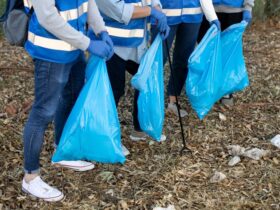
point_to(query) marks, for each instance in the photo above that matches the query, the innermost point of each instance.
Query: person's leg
(50, 79)
(228, 19)
(116, 73)
(170, 39)
(185, 43)
(137, 134)
(132, 68)
(203, 29)
(69, 96)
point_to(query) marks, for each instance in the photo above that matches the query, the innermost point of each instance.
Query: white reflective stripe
(73, 14)
(52, 44)
(184, 11)
(192, 11)
(149, 2)
(27, 3)
(172, 12)
(139, 4)
(126, 33)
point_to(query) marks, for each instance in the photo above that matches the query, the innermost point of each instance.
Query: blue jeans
(57, 87)
(186, 36)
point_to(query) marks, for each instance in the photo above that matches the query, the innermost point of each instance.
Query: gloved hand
(216, 23)
(162, 25)
(247, 16)
(106, 38)
(100, 49)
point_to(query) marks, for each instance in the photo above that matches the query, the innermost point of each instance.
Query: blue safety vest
(182, 11)
(130, 35)
(230, 3)
(43, 45)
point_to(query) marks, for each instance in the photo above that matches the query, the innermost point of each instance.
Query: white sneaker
(173, 109)
(78, 165)
(162, 138)
(39, 189)
(227, 100)
(138, 136)
(125, 151)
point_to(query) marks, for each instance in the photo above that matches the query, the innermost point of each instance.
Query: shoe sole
(227, 102)
(78, 169)
(53, 199)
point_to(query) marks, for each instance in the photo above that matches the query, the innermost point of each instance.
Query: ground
(155, 174)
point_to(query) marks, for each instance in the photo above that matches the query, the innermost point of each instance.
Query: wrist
(247, 8)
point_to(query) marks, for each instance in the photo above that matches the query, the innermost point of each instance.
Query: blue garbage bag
(92, 131)
(216, 68)
(205, 73)
(235, 76)
(149, 81)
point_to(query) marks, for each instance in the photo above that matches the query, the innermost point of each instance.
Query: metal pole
(185, 148)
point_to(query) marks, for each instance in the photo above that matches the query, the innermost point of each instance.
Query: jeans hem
(36, 171)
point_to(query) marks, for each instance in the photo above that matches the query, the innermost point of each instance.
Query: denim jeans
(57, 87)
(117, 67)
(186, 36)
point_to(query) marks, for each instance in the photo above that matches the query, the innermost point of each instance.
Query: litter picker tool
(185, 147)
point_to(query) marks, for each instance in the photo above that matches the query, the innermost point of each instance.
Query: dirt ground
(155, 174)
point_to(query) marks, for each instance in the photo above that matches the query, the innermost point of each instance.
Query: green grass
(2, 7)
(260, 9)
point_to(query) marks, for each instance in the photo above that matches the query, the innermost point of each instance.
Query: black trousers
(226, 19)
(117, 67)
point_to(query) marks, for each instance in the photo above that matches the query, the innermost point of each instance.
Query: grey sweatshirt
(50, 19)
(247, 5)
(122, 12)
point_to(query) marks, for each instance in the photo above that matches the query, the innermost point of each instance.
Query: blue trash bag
(92, 131)
(205, 73)
(235, 76)
(149, 81)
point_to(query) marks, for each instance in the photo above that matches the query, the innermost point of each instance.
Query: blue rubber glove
(162, 25)
(247, 16)
(106, 38)
(216, 23)
(99, 48)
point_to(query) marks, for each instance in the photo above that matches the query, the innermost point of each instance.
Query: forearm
(208, 10)
(48, 17)
(116, 9)
(95, 20)
(141, 12)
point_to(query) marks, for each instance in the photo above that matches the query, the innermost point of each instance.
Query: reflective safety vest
(130, 35)
(182, 11)
(230, 3)
(43, 45)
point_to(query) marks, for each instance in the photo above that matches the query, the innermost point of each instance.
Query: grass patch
(2, 8)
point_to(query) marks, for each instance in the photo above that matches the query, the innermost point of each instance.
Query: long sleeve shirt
(208, 10)
(247, 5)
(50, 19)
(122, 12)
